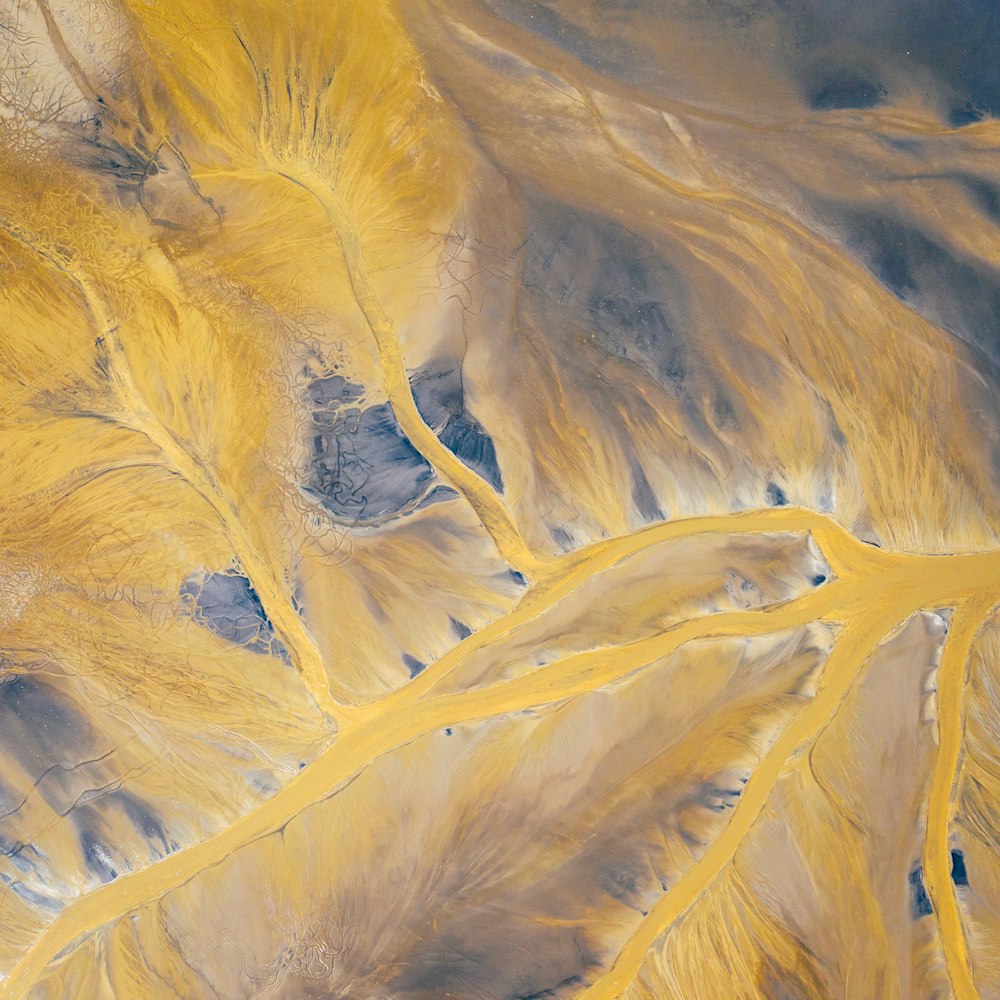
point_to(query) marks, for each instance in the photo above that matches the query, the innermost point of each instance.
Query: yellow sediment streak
(937, 856)
(841, 669)
(844, 554)
(878, 605)
(877, 591)
(485, 501)
(268, 586)
(177, 457)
